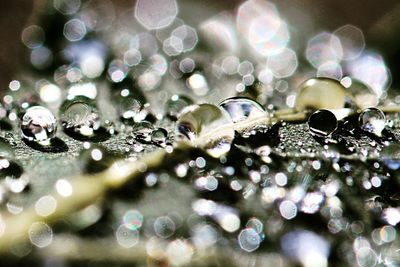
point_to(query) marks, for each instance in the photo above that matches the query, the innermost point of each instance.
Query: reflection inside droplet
(372, 120)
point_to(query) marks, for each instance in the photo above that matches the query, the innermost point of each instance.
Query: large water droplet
(243, 108)
(175, 105)
(322, 123)
(372, 120)
(81, 115)
(129, 108)
(208, 127)
(363, 94)
(322, 93)
(38, 125)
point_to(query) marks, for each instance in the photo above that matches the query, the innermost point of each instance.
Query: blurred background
(378, 20)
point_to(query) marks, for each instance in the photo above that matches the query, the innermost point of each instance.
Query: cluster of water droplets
(149, 88)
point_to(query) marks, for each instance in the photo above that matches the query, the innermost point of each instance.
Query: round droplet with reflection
(128, 108)
(81, 115)
(87, 89)
(322, 123)
(39, 125)
(129, 100)
(175, 105)
(243, 108)
(322, 93)
(372, 120)
(159, 136)
(364, 96)
(208, 127)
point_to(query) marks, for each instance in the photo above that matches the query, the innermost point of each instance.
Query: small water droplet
(243, 108)
(81, 115)
(39, 125)
(206, 126)
(176, 104)
(142, 131)
(159, 136)
(130, 139)
(129, 108)
(372, 120)
(322, 123)
(137, 147)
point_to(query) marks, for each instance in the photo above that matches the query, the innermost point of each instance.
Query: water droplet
(38, 125)
(86, 89)
(206, 126)
(142, 131)
(159, 136)
(175, 105)
(81, 115)
(129, 108)
(243, 108)
(372, 120)
(137, 147)
(365, 97)
(322, 93)
(322, 123)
